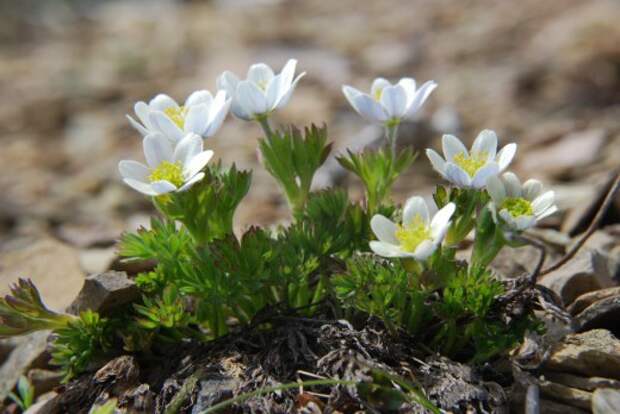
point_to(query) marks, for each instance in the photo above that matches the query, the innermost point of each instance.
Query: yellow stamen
(414, 233)
(472, 163)
(169, 171)
(176, 115)
(517, 206)
(378, 94)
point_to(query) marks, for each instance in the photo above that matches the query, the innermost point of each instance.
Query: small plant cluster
(365, 259)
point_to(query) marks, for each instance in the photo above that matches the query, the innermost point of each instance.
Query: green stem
(391, 130)
(263, 120)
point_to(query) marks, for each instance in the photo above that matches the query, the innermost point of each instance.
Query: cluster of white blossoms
(173, 149)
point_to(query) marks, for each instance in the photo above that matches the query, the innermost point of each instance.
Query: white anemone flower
(519, 206)
(201, 114)
(471, 169)
(387, 103)
(169, 169)
(417, 237)
(262, 92)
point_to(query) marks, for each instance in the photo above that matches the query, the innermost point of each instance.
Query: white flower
(388, 103)
(168, 168)
(520, 206)
(418, 236)
(471, 169)
(262, 92)
(202, 114)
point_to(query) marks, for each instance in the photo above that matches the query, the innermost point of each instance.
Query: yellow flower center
(472, 163)
(262, 84)
(517, 206)
(414, 233)
(169, 171)
(176, 115)
(378, 94)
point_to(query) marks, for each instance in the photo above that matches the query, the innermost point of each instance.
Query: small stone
(586, 272)
(44, 380)
(571, 396)
(604, 313)
(606, 401)
(97, 260)
(54, 268)
(594, 353)
(583, 383)
(104, 291)
(31, 353)
(587, 299)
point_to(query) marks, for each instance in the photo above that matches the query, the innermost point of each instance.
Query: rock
(44, 380)
(570, 152)
(31, 353)
(552, 407)
(594, 353)
(104, 291)
(606, 401)
(583, 383)
(586, 272)
(87, 235)
(54, 268)
(602, 314)
(587, 299)
(214, 390)
(97, 260)
(571, 396)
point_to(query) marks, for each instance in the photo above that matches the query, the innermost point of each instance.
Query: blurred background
(544, 74)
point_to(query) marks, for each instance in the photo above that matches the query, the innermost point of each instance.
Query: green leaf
(293, 158)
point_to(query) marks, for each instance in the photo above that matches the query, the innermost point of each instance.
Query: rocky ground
(543, 74)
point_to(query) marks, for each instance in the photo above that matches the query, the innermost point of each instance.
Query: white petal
(157, 148)
(480, 179)
(288, 73)
(543, 202)
(134, 170)
(420, 97)
(485, 142)
(545, 213)
(273, 92)
(216, 117)
(228, 81)
(413, 207)
(285, 94)
(524, 222)
(142, 111)
(452, 146)
(163, 187)
(505, 156)
(199, 97)
(197, 163)
(424, 250)
(350, 93)
(191, 182)
(260, 73)
(384, 229)
(495, 188)
(251, 98)
(532, 189)
(377, 86)
(369, 109)
(162, 102)
(394, 100)
(409, 86)
(196, 119)
(512, 184)
(438, 163)
(165, 125)
(141, 129)
(441, 222)
(188, 148)
(457, 176)
(386, 249)
(144, 188)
